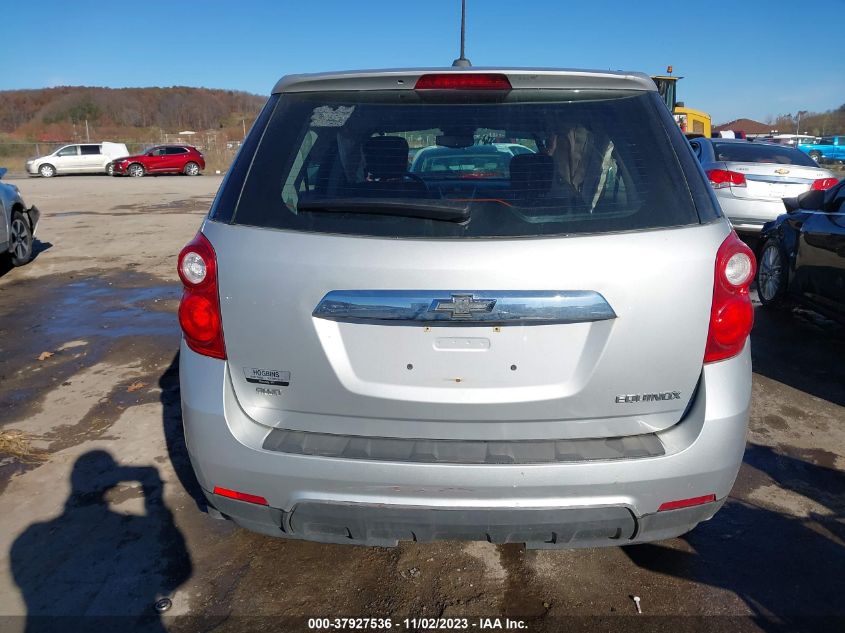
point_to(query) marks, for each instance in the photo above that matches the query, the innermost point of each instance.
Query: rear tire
(135, 170)
(772, 273)
(191, 169)
(20, 237)
(47, 170)
(817, 156)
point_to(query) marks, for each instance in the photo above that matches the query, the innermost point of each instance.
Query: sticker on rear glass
(274, 377)
(327, 116)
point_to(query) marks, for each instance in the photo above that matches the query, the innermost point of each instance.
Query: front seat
(531, 175)
(533, 183)
(386, 167)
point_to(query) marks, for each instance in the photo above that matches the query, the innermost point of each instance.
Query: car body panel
(459, 393)
(703, 454)
(345, 347)
(68, 159)
(820, 264)
(79, 158)
(406, 78)
(11, 201)
(814, 244)
(749, 207)
(828, 147)
(157, 160)
(792, 140)
(772, 182)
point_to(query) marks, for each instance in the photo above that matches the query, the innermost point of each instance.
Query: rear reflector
(721, 178)
(823, 184)
(463, 81)
(686, 503)
(240, 496)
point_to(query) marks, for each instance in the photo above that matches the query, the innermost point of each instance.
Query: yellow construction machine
(692, 122)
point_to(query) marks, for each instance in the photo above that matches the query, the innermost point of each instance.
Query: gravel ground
(110, 521)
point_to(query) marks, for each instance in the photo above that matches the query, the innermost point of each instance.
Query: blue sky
(748, 59)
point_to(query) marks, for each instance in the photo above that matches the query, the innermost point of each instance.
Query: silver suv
(555, 353)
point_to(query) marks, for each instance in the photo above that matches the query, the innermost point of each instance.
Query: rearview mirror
(3, 171)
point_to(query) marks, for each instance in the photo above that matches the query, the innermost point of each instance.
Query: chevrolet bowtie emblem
(781, 171)
(463, 306)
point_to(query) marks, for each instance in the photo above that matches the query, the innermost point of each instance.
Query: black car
(801, 254)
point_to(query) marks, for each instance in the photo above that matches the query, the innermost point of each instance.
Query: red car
(162, 159)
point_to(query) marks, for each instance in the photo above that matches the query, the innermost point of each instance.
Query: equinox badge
(649, 397)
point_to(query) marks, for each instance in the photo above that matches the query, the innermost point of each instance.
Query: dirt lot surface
(110, 520)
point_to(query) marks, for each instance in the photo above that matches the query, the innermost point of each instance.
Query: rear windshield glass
(455, 165)
(761, 153)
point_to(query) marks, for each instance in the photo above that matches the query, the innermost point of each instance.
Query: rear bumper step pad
(462, 451)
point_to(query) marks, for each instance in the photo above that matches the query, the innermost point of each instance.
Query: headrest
(386, 157)
(532, 174)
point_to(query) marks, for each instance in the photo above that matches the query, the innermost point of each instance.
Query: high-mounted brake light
(240, 496)
(463, 81)
(731, 313)
(823, 184)
(686, 503)
(199, 310)
(721, 178)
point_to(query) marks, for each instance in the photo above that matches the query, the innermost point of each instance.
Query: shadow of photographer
(94, 562)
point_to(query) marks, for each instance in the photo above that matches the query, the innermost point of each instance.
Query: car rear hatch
(296, 370)
(767, 181)
(569, 301)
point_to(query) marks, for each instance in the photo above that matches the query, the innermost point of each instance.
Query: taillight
(731, 314)
(463, 81)
(824, 183)
(199, 311)
(721, 178)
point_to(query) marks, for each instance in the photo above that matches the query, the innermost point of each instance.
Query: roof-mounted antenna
(462, 62)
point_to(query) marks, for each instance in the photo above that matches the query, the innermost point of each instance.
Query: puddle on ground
(96, 307)
(121, 316)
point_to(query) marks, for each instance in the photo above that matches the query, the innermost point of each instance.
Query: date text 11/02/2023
(417, 624)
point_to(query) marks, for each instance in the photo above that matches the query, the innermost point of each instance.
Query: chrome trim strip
(471, 307)
(774, 179)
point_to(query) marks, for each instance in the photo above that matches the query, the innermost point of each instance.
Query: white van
(82, 158)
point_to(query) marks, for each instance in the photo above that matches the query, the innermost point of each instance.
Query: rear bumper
(538, 528)
(595, 503)
(748, 214)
